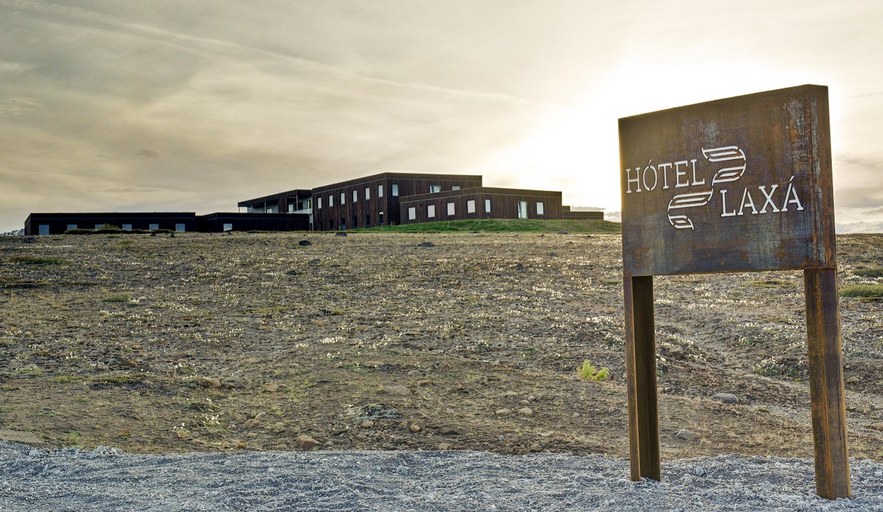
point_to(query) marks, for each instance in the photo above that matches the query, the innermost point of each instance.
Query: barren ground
(209, 342)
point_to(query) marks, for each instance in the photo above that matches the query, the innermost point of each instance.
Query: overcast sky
(195, 105)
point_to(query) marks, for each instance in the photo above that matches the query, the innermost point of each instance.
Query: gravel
(108, 479)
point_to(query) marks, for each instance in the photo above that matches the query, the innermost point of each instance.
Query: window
(522, 209)
(355, 195)
(180, 227)
(153, 227)
(455, 187)
(395, 190)
(228, 226)
(367, 193)
(434, 189)
(98, 226)
(430, 211)
(487, 206)
(470, 206)
(319, 203)
(451, 208)
(412, 213)
(71, 226)
(127, 227)
(342, 198)
(43, 229)
(379, 190)
(330, 201)
(540, 208)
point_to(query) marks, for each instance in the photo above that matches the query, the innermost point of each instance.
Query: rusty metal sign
(739, 184)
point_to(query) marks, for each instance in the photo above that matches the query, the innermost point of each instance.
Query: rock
(315, 261)
(367, 424)
(426, 244)
(415, 428)
(29, 240)
(726, 398)
(563, 232)
(877, 426)
(305, 442)
(208, 382)
(503, 412)
(686, 435)
(700, 471)
(396, 390)
(271, 387)
(304, 243)
(853, 380)
(536, 447)
(340, 233)
(525, 411)
(444, 446)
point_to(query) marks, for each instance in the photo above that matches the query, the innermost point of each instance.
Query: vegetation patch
(863, 291)
(116, 298)
(588, 372)
(503, 225)
(36, 260)
(868, 272)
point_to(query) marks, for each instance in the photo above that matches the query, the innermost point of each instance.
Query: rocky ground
(250, 341)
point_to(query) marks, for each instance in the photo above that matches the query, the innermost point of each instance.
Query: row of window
(394, 191)
(43, 229)
(470, 208)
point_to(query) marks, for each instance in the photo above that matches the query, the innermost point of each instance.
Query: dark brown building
(58, 223)
(481, 203)
(374, 200)
(221, 222)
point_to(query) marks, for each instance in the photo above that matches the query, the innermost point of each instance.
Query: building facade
(481, 203)
(58, 223)
(375, 200)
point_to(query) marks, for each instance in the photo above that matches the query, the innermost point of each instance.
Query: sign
(740, 184)
(734, 185)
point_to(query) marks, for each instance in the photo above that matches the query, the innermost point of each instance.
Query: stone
(271, 387)
(367, 424)
(305, 442)
(396, 390)
(29, 240)
(304, 243)
(415, 428)
(536, 447)
(208, 382)
(853, 380)
(503, 412)
(525, 411)
(563, 232)
(686, 435)
(340, 233)
(426, 244)
(726, 398)
(877, 426)
(444, 446)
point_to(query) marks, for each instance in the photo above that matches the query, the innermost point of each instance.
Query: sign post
(735, 185)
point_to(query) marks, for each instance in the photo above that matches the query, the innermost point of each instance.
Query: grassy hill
(503, 225)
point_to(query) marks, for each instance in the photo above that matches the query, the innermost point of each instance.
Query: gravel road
(107, 479)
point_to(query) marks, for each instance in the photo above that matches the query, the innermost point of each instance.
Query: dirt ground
(251, 341)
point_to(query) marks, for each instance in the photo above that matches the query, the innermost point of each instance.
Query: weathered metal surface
(826, 384)
(738, 184)
(640, 347)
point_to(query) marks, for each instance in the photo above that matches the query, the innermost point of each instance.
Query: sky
(195, 105)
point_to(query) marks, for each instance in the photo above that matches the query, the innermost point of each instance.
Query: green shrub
(868, 272)
(863, 291)
(588, 372)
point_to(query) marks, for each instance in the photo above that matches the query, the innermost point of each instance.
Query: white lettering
(724, 212)
(655, 178)
(629, 180)
(695, 181)
(664, 168)
(769, 198)
(791, 193)
(679, 173)
(747, 200)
